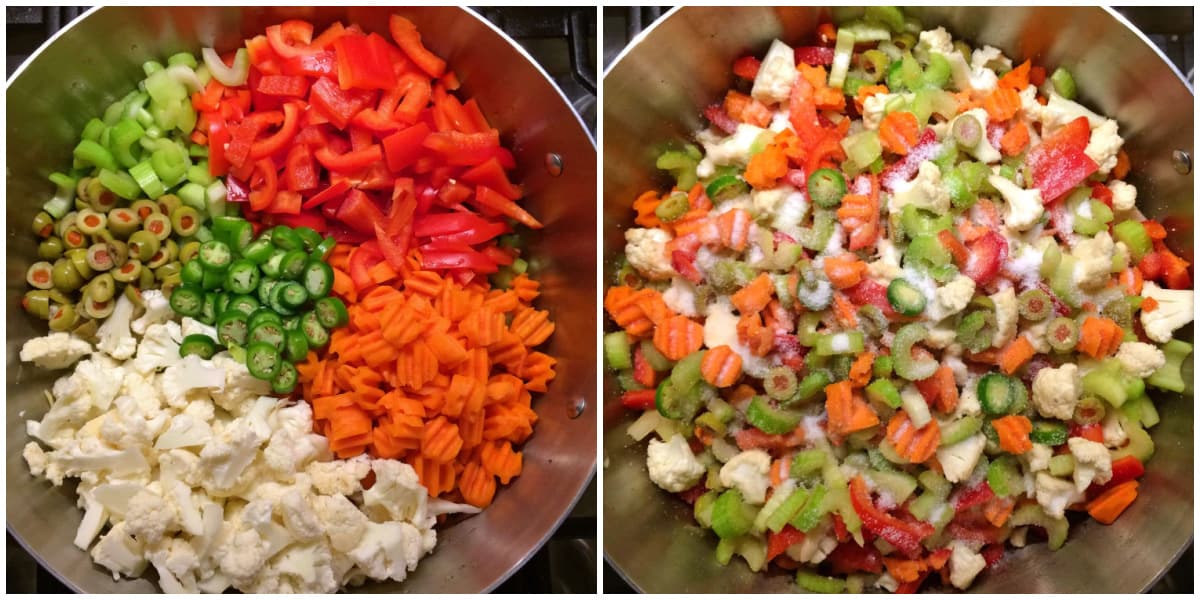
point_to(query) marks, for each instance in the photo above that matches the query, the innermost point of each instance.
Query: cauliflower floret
(1007, 312)
(1140, 359)
(646, 251)
(936, 40)
(924, 191)
(940, 335)
(1059, 111)
(300, 569)
(951, 298)
(1057, 390)
(776, 75)
(115, 338)
(1093, 261)
(815, 546)
(191, 326)
(102, 379)
(150, 516)
(130, 427)
(1114, 431)
(185, 431)
(1039, 457)
(1175, 309)
(968, 400)
(1022, 208)
(1092, 462)
(339, 477)
(397, 493)
(191, 373)
(959, 460)
(1124, 196)
(159, 348)
(735, 149)
(1103, 146)
(176, 562)
(341, 520)
(1031, 109)
(980, 57)
(299, 517)
(965, 564)
(720, 329)
(241, 388)
(227, 455)
(120, 552)
(982, 151)
(158, 310)
(788, 216)
(967, 78)
(887, 266)
(1054, 494)
(748, 473)
(681, 297)
(672, 465)
(389, 550)
(766, 202)
(35, 457)
(240, 551)
(58, 350)
(875, 108)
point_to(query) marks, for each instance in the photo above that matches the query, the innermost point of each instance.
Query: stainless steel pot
(653, 94)
(75, 75)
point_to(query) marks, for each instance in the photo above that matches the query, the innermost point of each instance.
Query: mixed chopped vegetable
(899, 313)
(288, 283)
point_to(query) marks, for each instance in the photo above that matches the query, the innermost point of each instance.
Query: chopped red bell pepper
(262, 195)
(278, 140)
(317, 64)
(905, 536)
(293, 86)
(218, 138)
(973, 496)
(317, 222)
(685, 263)
(720, 119)
(403, 148)
(643, 373)
(338, 105)
(291, 38)
(907, 167)
(262, 57)
(286, 202)
(462, 258)
(486, 197)
(849, 558)
(1092, 431)
(491, 174)
(1059, 163)
(638, 400)
(869, 291)
(359, 212)
(405, 33)
(364, 62)
(350, 161)
(987, 255)
(362, 258)
(300, 173)
(778, 543)
(394, 240)
(465, 149)
(747, 67)
(335, 190)
(814, 55)
(241, 139)
(329, 36)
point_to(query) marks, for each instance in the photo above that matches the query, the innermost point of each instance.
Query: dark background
(1169, 28)
(563, 42)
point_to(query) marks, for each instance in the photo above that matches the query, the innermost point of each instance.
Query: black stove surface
(1169, 28)
(563, 42)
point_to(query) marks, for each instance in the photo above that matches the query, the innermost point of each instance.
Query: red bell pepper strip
(1059, 162)
(981, 493)
(218, 137)
(465, 149)
(491, 174)
(362, 258)
(262, 57)
(747, 67)
(643, 373)
(394, 240)
(1126, 468)
(280, 139)
(293, 86)
(363, 62)
(338, 105)
(415, 93)
(236, 190)
(486, 197)
(335, 190)
(905, 168)
(261, 196)
(405, 33)
(1092, 432)
(286, 202)
(498, 255)
(464, 258)
(300, 174)
(814, 55)
(241, 139)
(350, 161)
(369, 118)
(475, 114)
(778, 543)
(869, 291)
(850, 558)
(209, 98)
(473, 235)
(291, 38)
(318, 64)
(329, 36)
(720, 119)
(905, 536)
(447, 223)
(403, 148)
(987, 255)
(359, 212)
(452, 194)
(638, 400)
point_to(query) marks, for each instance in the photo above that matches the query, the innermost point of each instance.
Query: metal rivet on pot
(1182, 161)
(576, 407)
(554, 164)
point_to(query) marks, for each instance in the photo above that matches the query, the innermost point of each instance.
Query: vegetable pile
(288, 284)
(900, 312)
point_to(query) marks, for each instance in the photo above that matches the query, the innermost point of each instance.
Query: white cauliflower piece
(241, 388)
(1039, 457)
(341, 520)
(184, 431)
(158, 310)
(1103, 146)
(681, 297)
(875, 109)
(767, 202)
(788, 216)
(951, 298)
(1056, 391)
(1031, 109)
(1054, 494)
(980, 57)
(191, 373)
(1059, 111)
(57, 350)
(114, 336)
(120, 552)
(1175, 309)
(968, 400)
(747, 472)
(1124, 196)
(1140, 359)
(339, 477)
(191, 326)
(967, 78)
(131, 427)
(299, 517)
(227, 455)
(240, 551)
(735, 149)
(1007, 312)
(965, 564)
(1093, 463)
(176, 562)
(983, 151)
(924, 191)
(959, 460)
(776, 74)
(936, 40)
(1114, 432)
(150, 517)
(389, 550)
(159, 348)
(1093, 261)
(720, 329)
(1022, 208)
(671, 464)
(646, 251)
(887, 267)
(35, 457)
(940, 335)
(397, 493)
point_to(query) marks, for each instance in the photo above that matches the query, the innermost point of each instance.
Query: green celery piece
(783, 513)
(808, 462)
(1032, 514)
(703, 508)
(1170, 375)
(1107, 383)
(898, 485)
(814, 509)
(1140, 443)
(819, 584)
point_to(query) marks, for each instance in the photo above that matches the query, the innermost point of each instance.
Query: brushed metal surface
(97, 59)
(653, 95)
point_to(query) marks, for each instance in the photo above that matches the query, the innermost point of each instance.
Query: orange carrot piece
(1109, 505)
(1014, 431)
(721, 366)
(845, 271)
(860, 369)
(847, 412)
(678, 337)
(1016, 79)
(1015, 355)
(1014, 140)
(1149, 304)
(1002, 104)
(755, 296)
(898, 132)
(766, 167)
(913, 444)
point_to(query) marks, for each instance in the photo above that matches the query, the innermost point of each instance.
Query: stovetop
(563, 42)
(1169, 28)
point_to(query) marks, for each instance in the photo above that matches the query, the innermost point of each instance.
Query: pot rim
(578, 122)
